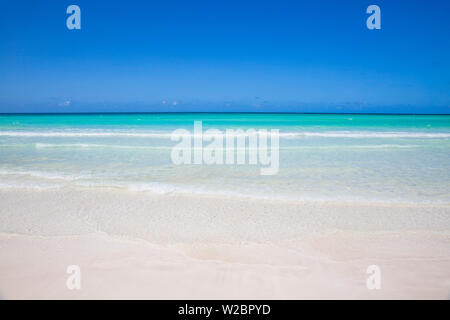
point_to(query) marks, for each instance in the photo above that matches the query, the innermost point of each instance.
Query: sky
(225, 56)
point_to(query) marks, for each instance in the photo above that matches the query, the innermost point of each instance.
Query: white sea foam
(67, 145)
(33, 186)
(93, 145)
(369, 134)
(83, 134)
(233, 192)
(45, 175)
(291, 134)
(169, 147)
(158, 188)
(368, 146)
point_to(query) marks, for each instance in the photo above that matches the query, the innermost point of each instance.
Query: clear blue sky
(188, 55)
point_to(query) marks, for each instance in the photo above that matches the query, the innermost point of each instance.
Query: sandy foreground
(141, 245)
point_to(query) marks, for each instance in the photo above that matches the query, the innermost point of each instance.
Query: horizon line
(221, 112)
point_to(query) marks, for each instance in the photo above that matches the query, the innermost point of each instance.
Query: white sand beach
(146, 246)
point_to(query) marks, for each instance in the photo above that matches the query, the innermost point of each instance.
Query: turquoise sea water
(322, 157)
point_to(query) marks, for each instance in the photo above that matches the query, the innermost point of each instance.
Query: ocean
(323, 157)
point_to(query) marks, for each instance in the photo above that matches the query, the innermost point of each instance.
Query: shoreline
(168, 218)
(167, 190)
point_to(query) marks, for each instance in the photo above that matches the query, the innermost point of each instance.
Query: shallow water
(399, 158)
